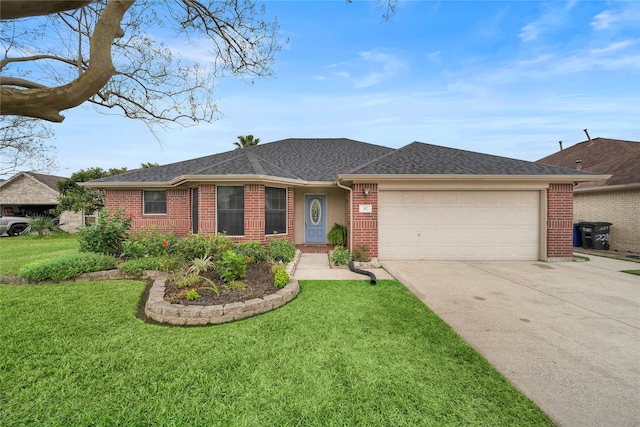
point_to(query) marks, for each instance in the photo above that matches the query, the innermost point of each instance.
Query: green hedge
(66, 267)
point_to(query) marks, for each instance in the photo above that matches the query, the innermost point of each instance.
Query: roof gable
(49, 181)
(615, 157)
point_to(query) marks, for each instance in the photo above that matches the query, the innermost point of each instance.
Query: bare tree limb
(47, 103)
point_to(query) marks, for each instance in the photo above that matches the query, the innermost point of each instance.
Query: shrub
(183, 280)
(255, 252)
(149, 241)
(66, 267)
(340, 256)
(361, 254)
(281, 250)
(232, 266)
(337, 236)
(42, 225)
(202, 246)
(281, 278)
(107, 234)
(138, 265)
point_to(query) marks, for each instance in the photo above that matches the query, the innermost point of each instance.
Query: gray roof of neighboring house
(324, 159)
(615, 157)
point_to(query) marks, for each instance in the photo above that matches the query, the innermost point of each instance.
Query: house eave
(187, 181)
(602, 188)
(558, 179)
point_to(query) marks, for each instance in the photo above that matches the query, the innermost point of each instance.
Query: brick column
(207, 209)
(559, 222)
(365, 224)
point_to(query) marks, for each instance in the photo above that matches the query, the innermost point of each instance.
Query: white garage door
(459, 225)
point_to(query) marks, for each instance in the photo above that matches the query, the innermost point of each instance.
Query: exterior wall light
(365, 192)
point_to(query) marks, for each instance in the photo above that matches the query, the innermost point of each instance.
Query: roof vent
(579, 165)
(589, 138)
(560, 142)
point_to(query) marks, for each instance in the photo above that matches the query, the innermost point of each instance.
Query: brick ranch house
(418, 202)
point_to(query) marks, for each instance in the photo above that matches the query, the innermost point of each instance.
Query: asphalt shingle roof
(615, 157)
(324, 159)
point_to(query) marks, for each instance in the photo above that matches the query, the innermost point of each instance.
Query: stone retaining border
(158, 309)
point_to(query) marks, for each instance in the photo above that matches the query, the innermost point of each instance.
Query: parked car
(13, 225)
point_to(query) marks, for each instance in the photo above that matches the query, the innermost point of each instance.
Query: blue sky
(505, 78)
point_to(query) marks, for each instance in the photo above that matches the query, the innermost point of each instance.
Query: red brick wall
(365, 225)
(178, 217)
(560, 221)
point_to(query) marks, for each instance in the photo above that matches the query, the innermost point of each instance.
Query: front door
(315, 218)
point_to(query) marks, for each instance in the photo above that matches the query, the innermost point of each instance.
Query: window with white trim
(275, 210)
(154, 202)
(230, 212)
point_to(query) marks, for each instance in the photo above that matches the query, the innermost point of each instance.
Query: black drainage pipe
(366, 273)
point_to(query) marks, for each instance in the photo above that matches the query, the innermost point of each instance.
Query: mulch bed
(259, 280)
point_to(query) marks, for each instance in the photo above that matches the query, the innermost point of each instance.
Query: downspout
(350, 216)
(351, 266)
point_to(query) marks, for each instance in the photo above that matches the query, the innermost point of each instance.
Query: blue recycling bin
(577, 236)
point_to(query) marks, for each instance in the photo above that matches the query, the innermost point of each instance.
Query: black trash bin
(595, 235)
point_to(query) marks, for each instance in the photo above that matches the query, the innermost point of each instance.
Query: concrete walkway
(316, 267)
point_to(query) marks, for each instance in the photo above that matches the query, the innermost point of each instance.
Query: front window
(231, 210)
(275, 210)
(155, 202)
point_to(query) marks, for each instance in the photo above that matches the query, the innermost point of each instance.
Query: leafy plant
(138, 265)
(361, 254)
(42, 225)
(149, 241)
(236, 285)
(202, 245)
(232, 266)
(281, 250)
(184, 280)
(340, 256)
(107, 234)
(281, 278)
(254, 251)
(212, 285)
(337, 236)
(200, 265)
(193, 295)
(66, 267)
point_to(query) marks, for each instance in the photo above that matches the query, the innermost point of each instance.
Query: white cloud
(555, 17)
(614, 18)
(372, 69)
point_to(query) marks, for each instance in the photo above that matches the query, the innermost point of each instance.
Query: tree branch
(47, 103)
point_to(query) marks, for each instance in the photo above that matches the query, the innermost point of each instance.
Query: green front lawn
(18, 251)
(341, 353)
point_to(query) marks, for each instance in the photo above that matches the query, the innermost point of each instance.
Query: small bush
(361, 254)
(138, 265)
(281, 278)
(183, 280)
(232, 266)
(193, 295)
(255, 252)
(66, 267)
(202, 246)
(281, 250)
(337, 236)
(149, 241)
(107, 234)
(340, 256)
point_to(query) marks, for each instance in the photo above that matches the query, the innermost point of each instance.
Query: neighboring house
(417, 202)
(28, 193)
(616, 200)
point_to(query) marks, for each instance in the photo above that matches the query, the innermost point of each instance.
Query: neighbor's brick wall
(26, 191)
(178, 217)
(560, 221)
(365, 225)
(621, 208)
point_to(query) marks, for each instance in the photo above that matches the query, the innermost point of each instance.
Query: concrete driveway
(565, 334)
